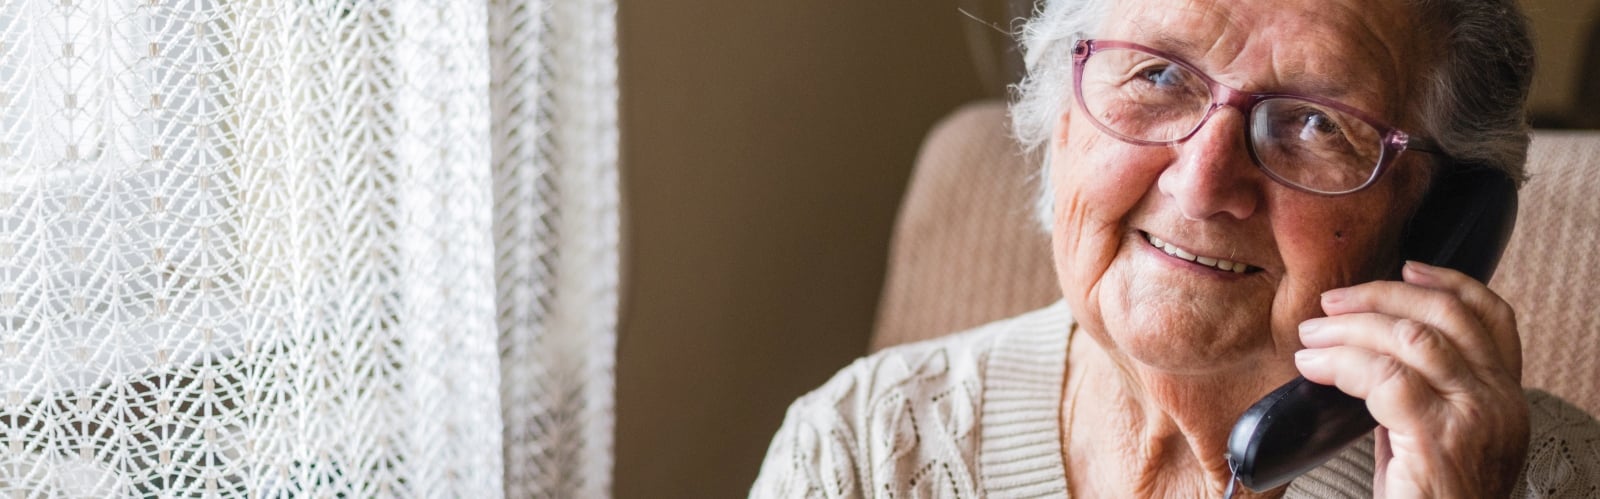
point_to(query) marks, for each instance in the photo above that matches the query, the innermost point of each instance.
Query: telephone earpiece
(1463, 223)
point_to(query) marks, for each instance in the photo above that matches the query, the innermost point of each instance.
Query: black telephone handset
(1463, 224)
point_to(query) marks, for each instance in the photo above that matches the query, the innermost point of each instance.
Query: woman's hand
(1438, 361)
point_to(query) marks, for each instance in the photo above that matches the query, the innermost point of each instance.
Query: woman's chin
(1185, 344)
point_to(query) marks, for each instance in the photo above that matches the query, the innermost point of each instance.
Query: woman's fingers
(1417, 345)
(1464, 325)
(1493, 312)
(1436, 442)
(1437, 359)
(1397, 395)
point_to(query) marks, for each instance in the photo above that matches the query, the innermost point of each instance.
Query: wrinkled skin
(1174, 351)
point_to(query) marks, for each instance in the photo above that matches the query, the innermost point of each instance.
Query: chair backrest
(966, 249)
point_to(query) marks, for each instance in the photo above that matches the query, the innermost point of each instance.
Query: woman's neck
(1149, 434)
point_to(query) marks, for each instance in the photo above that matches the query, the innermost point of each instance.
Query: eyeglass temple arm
(1420, 144)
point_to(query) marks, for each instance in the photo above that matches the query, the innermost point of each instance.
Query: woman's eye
(1168, 76)
(1315, 126)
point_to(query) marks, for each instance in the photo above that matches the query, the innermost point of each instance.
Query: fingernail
(1308, 356)
(1332, 296)
(1310, 330)
(1415, 269)
(1419, 267)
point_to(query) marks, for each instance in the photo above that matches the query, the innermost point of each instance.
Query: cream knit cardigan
(975, 415)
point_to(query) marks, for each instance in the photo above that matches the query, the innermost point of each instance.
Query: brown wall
(1561, 30)
(765, 145)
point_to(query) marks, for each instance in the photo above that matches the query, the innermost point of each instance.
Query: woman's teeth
(1216, 263)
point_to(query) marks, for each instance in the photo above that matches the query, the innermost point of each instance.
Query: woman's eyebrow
(1338, 86)
(1181, 47)
(1296, 80)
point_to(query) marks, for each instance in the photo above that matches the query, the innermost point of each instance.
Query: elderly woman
(1226, 186)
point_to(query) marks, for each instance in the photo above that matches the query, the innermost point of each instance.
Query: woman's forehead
(1351, 50)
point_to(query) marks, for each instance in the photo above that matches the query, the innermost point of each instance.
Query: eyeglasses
(1148, 97)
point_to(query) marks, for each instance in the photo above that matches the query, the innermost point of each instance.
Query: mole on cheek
(1338, 235)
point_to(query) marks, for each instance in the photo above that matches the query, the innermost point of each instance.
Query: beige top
(975, 415)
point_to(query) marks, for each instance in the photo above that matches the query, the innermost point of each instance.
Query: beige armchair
(966, 249)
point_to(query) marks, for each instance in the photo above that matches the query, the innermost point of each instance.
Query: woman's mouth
(1207, 261)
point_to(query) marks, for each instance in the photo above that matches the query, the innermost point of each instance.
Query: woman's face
(1205, 196)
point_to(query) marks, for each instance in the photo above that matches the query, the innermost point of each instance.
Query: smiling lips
(1216, 263)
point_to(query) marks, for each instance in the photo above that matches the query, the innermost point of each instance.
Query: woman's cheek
(1327, 249)
(1097, 185)
(1071, 242)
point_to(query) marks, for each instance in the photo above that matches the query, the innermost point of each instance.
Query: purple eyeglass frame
(1394, 140)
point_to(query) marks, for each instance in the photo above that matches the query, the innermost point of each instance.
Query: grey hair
(1042, 95)
(1472, 103)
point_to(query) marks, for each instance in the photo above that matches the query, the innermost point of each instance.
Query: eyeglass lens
(1147, 98)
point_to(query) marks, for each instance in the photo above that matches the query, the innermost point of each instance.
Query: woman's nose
(1212, 173)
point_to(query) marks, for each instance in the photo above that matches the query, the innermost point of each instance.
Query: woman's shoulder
(885, 420)
(930, 367)
(1563, 449)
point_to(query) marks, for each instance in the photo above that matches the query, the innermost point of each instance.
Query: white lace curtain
(272, 248)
